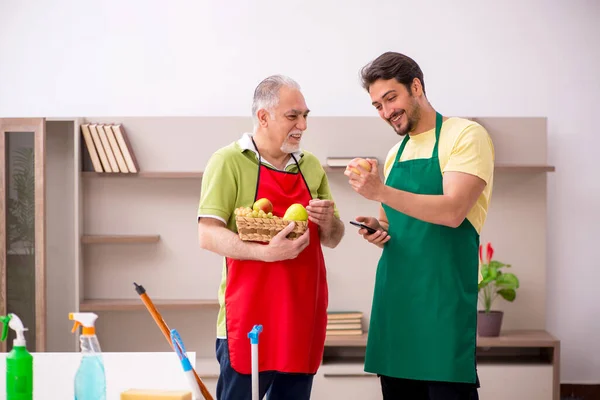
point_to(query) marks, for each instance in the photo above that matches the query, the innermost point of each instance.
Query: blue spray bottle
(90, 379)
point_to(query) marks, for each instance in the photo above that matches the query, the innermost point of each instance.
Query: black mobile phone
(368, 228)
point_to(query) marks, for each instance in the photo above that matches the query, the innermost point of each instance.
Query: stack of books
(108, 148)
(344, 323)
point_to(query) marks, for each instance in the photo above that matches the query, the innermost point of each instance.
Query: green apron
(424, 314)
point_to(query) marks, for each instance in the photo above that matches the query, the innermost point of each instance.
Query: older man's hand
(320, 212)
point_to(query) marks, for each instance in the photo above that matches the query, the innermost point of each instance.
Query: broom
(167, 333)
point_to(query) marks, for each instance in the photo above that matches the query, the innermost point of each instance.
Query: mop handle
(253, 336)
(185, 363)
(167, 333)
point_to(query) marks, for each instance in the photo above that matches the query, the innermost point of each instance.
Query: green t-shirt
(229, 182)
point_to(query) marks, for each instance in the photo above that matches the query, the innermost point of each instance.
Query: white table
(54, 373)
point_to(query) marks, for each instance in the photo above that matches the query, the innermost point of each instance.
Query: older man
(281, 285)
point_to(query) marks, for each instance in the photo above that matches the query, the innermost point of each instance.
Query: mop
(167, 333)
(253, 336)
(173, 336)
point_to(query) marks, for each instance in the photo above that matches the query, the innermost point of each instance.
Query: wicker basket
(263, 229)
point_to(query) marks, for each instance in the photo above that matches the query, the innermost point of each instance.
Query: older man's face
(290, 120)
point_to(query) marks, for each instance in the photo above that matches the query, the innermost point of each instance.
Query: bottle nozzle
(13, 322)
(86, 320)
(5, 320)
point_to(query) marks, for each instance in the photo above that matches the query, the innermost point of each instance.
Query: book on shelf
(344, 323)
(91, 147)
(345, 315)
(99, 148)
(125, 146)
(338, 327)
(347, 332)
(112, 141)
(112, 161)
(109, 148)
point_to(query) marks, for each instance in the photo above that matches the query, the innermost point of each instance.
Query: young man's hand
(282, 248)
(378, 238)
(366, 183)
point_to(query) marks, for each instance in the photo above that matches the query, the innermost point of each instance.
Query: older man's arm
(214, 236)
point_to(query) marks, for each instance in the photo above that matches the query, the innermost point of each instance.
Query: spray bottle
(90, 379)
(19, 362)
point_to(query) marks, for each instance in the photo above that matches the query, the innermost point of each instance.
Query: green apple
(263, 204)
(296, 212)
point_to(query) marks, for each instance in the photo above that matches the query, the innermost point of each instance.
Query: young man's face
(290, 120)
(395, 105)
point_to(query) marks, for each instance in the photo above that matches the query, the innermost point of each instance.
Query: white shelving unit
(114, 229)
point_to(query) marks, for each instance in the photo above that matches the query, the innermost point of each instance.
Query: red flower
(490, 252)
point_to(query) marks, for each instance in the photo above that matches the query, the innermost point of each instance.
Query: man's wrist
(326, 229)
(262, 253)
(381, 194)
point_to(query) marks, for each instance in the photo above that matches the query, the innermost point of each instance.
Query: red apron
(288, 298)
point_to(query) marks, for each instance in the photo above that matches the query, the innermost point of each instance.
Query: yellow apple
(296, 212)
(363, 163)
(263, 204)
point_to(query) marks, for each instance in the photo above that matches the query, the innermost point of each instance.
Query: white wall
(511, 58)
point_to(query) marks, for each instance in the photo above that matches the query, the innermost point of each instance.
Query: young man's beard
(413, 119)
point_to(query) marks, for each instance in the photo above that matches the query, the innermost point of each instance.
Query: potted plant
(20, 239)
(494, 282)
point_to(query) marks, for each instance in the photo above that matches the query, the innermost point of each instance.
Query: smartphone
(368, 228)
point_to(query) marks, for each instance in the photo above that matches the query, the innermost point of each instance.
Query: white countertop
(54, 373)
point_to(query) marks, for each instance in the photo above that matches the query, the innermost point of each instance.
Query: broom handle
(165, 330)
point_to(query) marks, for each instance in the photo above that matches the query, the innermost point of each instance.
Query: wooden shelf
(520, 338)
(346, 341)
(198, 174)
(137, 304)
(519, 168)
(119, 239)
(146, 175)
(524, 168)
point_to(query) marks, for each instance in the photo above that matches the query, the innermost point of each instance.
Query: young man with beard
(281, 285)
(434, 202)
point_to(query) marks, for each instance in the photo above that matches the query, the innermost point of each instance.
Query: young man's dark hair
(392, 65)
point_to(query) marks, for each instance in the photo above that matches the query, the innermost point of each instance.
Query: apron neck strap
(260, 157)
(438, 129)
(257, 152)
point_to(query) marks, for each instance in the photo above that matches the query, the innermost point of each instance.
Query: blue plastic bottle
(90, 379)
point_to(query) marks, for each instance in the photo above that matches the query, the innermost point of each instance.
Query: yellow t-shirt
(465, 146)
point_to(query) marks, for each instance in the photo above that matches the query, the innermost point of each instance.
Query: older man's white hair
(266, 94)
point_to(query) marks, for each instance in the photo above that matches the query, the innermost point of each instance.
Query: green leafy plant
(21, 203)
(494, 282)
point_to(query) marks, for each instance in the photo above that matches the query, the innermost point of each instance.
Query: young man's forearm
(332, 236)
(435, 209)
(224, 242)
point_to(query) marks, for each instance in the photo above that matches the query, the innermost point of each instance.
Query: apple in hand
(363, 163)
(263, 204)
